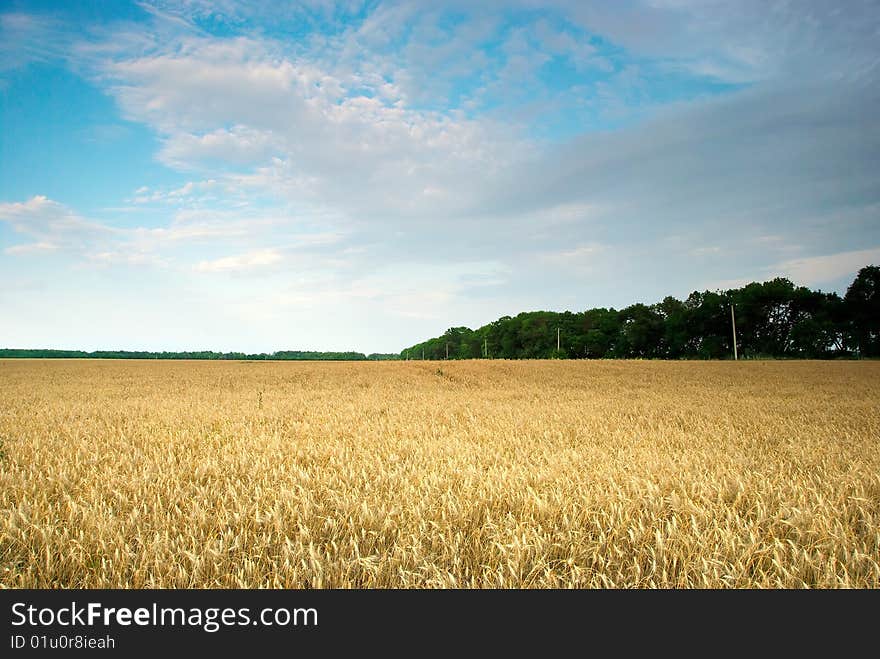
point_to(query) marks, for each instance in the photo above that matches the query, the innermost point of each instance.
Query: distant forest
(284, 355)
(774, 319)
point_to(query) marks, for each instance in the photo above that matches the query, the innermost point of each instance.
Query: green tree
(708, 325)
(601, 332)
(641, 332)
(675, 327)
(862, 302)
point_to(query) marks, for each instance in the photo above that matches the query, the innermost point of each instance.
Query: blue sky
(362, 175)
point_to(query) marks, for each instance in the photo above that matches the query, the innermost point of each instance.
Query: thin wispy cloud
(241, 262)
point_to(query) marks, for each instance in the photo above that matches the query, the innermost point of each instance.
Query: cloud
(27, 38)
(582, 258)
(188, 192)
(346, 141)
(411, 290)
(812, 271)
(54, 228)
(312, 128)
(241, 262)
(358, 150)
(126, 257)
(51, 225)
(817, 270)
(594, 154)
(239, 145)
(31, 248)
(745, 41)
(750, 164)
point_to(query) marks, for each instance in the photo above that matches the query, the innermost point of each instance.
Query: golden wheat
(428, 474)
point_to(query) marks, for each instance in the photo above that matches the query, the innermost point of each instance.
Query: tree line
(773, 319)
(283, 355)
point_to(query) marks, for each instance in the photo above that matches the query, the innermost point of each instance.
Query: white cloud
(816, 270)
(239, 145)
(241, 262)
(55, 228)
(30, 248)
(26, 38)
(581, 257)
(560, 42)
(341, 135)
(188, 192)
(127, 256)
(328, 165)
(299, 124)
(206, 84)
(745, 41)
(52, 225)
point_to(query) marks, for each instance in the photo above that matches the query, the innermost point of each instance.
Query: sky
(262, 176)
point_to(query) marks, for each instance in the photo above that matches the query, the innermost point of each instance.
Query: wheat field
(439, 474)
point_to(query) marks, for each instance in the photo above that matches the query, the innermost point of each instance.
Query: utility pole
(557, 339)
(733, 328)
(486, 348)
(423, 354)
(447, 350)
